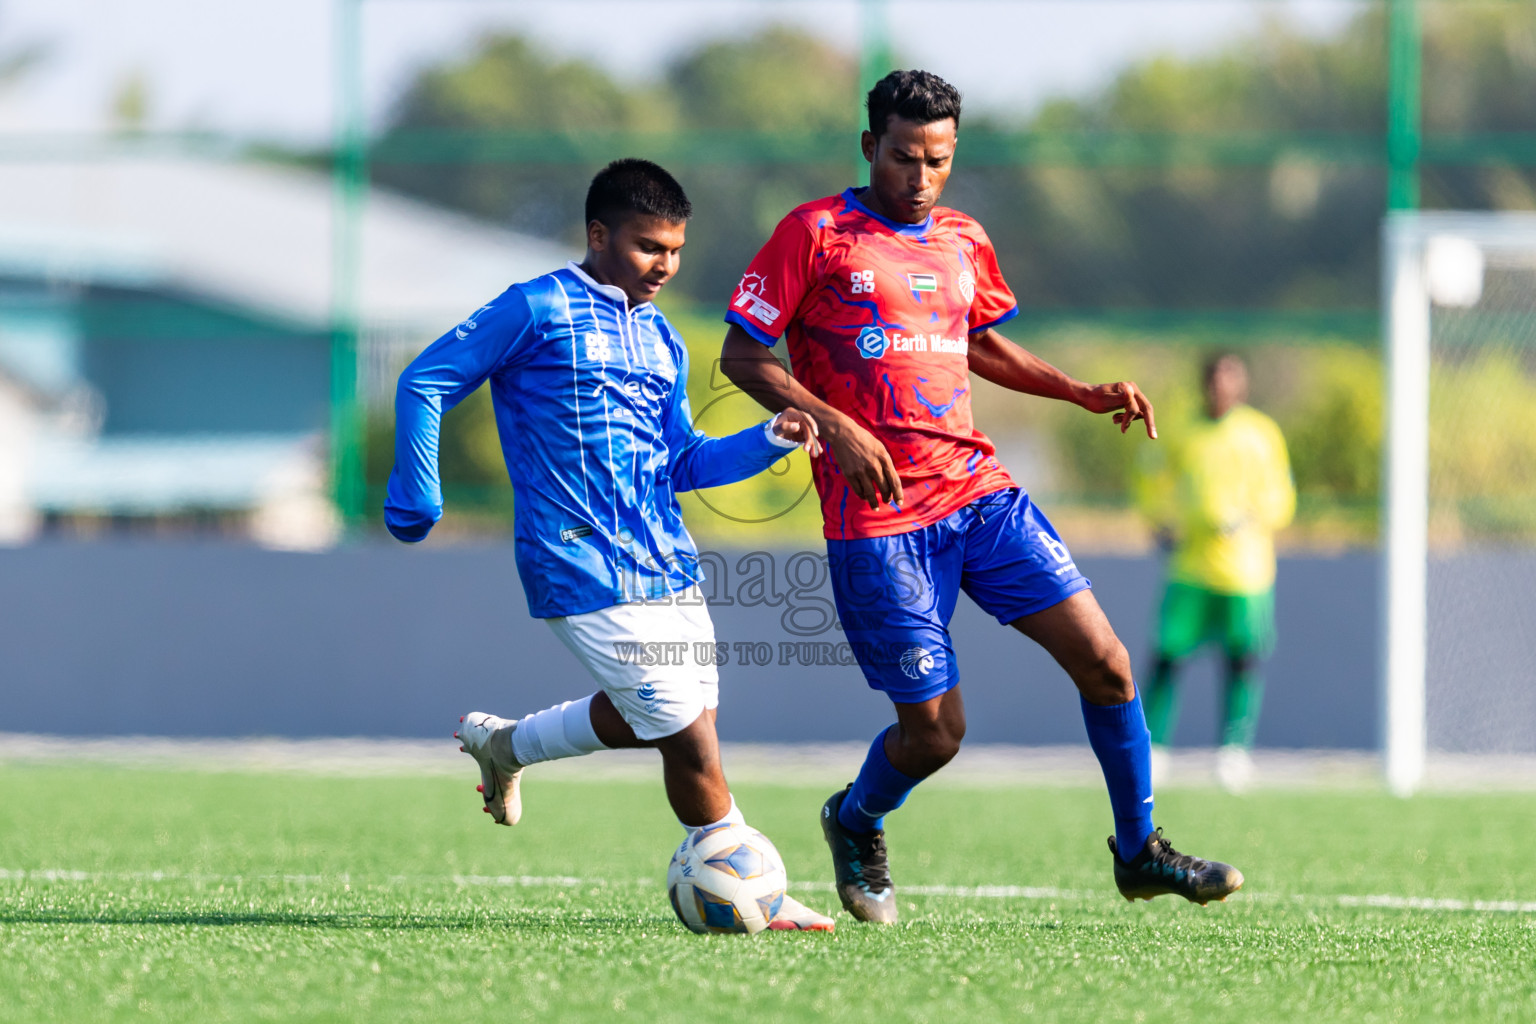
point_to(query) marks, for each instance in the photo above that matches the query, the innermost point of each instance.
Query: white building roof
(142, 475)
(256, 236)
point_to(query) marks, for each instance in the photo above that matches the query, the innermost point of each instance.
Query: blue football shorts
(895, 595)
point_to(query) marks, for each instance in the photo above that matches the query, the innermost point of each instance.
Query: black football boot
(863, 870)
(1159, 869)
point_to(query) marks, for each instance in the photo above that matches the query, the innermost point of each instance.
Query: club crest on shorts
(916, 663)
(873, 342)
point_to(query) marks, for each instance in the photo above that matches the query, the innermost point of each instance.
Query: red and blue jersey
(877, 316)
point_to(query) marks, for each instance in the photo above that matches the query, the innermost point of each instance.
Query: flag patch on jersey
(923, 282)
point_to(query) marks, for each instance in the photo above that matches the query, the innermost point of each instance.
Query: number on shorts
(1057, 549)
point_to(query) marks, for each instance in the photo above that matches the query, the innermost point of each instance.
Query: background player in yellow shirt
(1216, 495)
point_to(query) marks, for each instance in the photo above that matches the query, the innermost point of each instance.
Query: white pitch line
(525, 881)
(973, 892)
(1426, 903)
(66, 875)
(983, 892)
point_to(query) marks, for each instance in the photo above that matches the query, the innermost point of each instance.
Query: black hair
(1215, 359)
(918, 96)
(631, 186)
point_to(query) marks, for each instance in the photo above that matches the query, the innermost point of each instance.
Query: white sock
(732, 817)
(564, 730)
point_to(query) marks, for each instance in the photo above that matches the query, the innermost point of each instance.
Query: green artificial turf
(194, 896)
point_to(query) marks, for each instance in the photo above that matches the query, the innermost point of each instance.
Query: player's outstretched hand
(1126, 401)
(865, 464)
(800, 427)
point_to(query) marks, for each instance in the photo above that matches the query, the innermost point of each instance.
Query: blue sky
(264, 67)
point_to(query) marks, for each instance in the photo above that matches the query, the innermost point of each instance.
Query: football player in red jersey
(888, 302)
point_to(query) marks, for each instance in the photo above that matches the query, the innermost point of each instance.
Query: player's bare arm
(864, 461)
(993, 357)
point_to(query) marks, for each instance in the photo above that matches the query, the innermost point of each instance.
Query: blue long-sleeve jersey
(597, 434)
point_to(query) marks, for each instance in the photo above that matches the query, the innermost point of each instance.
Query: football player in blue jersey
(588, 381)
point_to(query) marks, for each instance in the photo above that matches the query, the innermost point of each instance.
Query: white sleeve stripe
(781, 442)
(581, 445)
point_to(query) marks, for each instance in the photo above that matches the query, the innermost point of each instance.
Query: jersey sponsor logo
(967, 285)
(596, 344)
(929, 343)
(873, 342)
(923, 282)
(647, 691)
(641, 394)
(469, 323)
(751, 299)
(916, 663)
(862, 282)
(571, 533)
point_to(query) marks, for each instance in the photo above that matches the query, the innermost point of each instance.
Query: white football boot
(1162, 765)
(794, 916)
(1234, 768)
(488, 740)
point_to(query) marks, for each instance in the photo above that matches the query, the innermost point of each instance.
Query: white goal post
(1431, 261)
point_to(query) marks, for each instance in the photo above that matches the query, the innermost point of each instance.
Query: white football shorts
(655, 659)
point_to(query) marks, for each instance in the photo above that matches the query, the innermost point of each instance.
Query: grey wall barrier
(209, 639)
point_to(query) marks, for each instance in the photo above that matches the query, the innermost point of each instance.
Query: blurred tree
(776, 81)
(1326, 398)
(508, 84)
(469, 452)
(1482, 443)
(19, 60)
(130, 103)
(1480, 77)
(1299, 232)
(780, 80)
(1334, 427)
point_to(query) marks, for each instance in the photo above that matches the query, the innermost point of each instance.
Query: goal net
(1459, 650)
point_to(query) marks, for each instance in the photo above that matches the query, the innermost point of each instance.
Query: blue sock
(878, 791)
(1119, 737)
